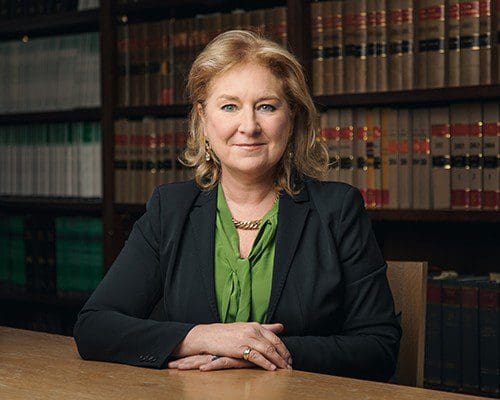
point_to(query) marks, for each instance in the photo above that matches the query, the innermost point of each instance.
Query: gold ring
(246, 353)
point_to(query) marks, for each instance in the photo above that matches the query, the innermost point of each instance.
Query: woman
(256, 262)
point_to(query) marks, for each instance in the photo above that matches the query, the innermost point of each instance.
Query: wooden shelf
(175, 110)
(383, 215)
(434, 216)
(417, 97)
(49, 204)
(158, 9)
(51, 24)
(75, 115)
(43, 299)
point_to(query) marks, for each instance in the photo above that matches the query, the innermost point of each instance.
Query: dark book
(452, 334)
(433, 337)
(489, 337)
(470, 332)
(50, 276)
(30, 253)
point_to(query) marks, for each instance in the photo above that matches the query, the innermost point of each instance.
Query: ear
(200, 111)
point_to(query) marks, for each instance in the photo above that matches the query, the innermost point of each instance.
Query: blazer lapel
(203, 222)
(291, 219)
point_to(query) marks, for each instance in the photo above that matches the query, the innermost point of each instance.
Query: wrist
(192, 343)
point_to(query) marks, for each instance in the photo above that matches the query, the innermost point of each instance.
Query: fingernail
(288, 366)
(273, 367)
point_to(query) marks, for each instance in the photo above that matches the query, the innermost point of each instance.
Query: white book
(360, 150)
(346, 146)
(405, 159)
(333, 143)
(440, 151)
(459, 151)
(491, 150)
(475, 156)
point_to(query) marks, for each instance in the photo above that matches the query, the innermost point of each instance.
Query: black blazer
(329, 285)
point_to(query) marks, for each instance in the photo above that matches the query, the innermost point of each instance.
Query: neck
(247, 190)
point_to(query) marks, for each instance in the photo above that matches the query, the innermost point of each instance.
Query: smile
(250, 146)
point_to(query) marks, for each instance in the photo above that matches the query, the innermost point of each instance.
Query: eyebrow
(234, 98)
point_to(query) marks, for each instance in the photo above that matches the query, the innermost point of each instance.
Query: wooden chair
(408, 282)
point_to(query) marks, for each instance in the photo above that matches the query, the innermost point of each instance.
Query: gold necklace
(250, 225)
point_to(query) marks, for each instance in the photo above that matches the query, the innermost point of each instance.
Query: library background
(93, 117)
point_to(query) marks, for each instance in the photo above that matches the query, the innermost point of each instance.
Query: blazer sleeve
(368, 345)
(113, 324)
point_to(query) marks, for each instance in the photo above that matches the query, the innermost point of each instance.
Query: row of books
(53, 73)
(147, 155)
(28, 8)
(463, 335)
(154, 58)
(51, 160)
(421, 158)
(60, 256)
(379, 45)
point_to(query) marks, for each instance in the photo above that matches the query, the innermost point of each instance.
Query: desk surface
(36, 365)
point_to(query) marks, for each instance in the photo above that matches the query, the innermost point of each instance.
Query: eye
(267, 107)
(228, 107)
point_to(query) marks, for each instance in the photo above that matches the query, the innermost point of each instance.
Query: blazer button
(141, 358)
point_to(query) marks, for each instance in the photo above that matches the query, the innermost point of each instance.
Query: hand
(230, 340)
(206, 363)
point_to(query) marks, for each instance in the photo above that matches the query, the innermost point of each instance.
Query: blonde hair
(305, 155)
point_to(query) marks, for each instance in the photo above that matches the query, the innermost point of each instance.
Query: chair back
(408, 282)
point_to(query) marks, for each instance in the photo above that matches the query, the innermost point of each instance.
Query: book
(433, 333)
(489, 345)
(453, 40)
(441, 163)
(435, 43)
(485, 42)
(405, 159)
(475, 156)
(318, 48)
(371, 46)
(491, 149)
(421, 54)
(469, 43)
(395, 37)
(407, 44)
(460, 148)
(360, 148)
(346, 146)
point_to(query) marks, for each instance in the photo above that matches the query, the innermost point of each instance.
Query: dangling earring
(207, 151)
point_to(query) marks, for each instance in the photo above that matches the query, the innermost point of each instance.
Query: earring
(207, 151)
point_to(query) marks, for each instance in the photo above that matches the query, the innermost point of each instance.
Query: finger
(194, 362)
(265, 347)
(275, 328)
(257, 358)
(278, 345)
(226, 363)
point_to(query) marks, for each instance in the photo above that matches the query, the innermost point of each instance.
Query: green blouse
(243, 285)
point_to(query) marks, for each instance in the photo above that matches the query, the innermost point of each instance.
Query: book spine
(371, 46)
(361, 137)
(475, 156)
(395, 45)
(435, 43)
(350, 27)
(469, 43)
(381, 45)
(491, 151)
(470, 337)
(123, 64)
(318, 49)
(377, 156)
(407, 44)
(441, 163)
(459, 140)
(333, 143)
(452, 361)
(453, 39)
(390, 192)
(346, 150)
(328, 51)
(360, 40)
(422, 80)
(485, 42)
(405, 159)
(489, 344)
(370, 161)
(433, 334)
(338, 49)
(155, 45)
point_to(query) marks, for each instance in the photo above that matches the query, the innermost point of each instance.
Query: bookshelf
(395, 229)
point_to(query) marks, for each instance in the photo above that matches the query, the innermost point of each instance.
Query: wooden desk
(36, 365)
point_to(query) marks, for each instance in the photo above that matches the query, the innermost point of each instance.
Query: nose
(249, 124)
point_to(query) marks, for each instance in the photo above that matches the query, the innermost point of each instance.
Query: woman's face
(247, 120)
